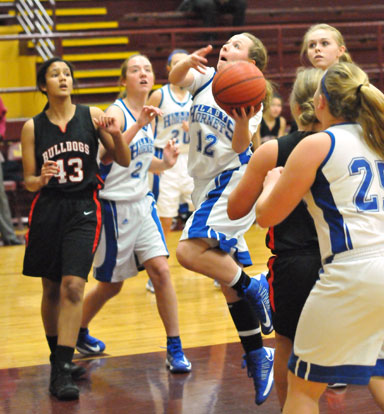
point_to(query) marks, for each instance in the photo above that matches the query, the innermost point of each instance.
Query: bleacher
(97, 35)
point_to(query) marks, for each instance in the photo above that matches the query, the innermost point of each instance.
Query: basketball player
(340, 334)
(174, 191)
(294, 266)
(324, 45)
(212, 244)
(132, 237)
(59, 148)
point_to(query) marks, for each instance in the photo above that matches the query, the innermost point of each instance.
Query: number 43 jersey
(74, 150)
(347, 197)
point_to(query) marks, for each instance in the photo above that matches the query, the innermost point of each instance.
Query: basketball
(239, 85)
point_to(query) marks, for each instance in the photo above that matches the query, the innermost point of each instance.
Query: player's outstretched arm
(181, 75)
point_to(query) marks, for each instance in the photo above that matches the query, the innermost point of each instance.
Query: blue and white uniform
(131, 232)
(347, 204)
(216, 169)
(176, 185)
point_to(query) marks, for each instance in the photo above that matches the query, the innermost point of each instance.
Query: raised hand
(170, 153)
(243, 114)
(148, 114)
(109, 124)
(197, 60)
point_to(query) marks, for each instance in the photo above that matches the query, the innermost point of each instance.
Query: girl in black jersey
(59, 149)
(294, 266)
(272, 125)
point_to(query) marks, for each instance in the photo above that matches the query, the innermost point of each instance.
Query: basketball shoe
(77, 371)
(149, 286)
(257, 293)
(259, 364)
(61, 382)
(88, 345)
(176, 360)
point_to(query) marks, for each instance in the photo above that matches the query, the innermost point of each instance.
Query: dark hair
(41, 73)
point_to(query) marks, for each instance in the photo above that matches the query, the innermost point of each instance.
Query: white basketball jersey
(170, 125)
(347, 197)
(211, 130)
(131, 183)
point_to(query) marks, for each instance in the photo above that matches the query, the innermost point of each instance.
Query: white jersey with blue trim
(211, 130)
(170, 124)
(129, 183)
(347, 197)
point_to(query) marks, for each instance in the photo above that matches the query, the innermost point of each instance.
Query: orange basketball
(239, 85)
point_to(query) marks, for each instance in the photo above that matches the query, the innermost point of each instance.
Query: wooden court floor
(131, 377)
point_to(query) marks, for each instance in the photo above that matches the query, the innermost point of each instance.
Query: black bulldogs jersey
(297, 232)
(74, 150)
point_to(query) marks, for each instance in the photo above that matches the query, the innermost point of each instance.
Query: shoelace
(174, 348)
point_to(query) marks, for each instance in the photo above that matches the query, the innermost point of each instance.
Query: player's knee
(183, 257)
(109, 290)
(72, 291)
(159, 273)
(51, 293)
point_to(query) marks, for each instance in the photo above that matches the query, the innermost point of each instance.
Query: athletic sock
(240, 282)
(64, 353)
(52, 343)
(247, 325)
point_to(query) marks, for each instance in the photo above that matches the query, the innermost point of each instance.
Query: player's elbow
(263, 217)
(262, 221)
(234, 210)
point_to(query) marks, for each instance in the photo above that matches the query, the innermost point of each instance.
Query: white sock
(236, 278)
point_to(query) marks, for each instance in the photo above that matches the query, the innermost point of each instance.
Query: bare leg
(96, 298)
(376, 386)
(303, 396)
(198, 256)
(50, 306)
(158, 271)
(71, 307)
(166, 224)
(283, 350)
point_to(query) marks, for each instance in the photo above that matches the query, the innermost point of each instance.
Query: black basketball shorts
(292, 277)
(64, 231)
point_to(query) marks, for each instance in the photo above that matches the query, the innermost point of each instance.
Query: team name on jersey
(66, 146)
(175, 118)
(214, 118)
(141, 146)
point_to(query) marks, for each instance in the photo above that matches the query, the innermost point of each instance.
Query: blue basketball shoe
(176, 361)
(260, 367)
(88, 345)
(257, 293)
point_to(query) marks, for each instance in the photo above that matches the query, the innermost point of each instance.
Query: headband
(174, 53)
(324, 89)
